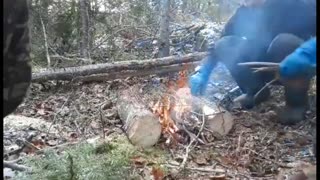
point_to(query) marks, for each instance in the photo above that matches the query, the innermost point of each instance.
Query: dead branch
(72, 72)
(125, 74)
(210, 169)
(70, 59)
(15, 166)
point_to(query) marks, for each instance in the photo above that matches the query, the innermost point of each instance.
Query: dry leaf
(200, 159)
(138, 161)
(157, 173)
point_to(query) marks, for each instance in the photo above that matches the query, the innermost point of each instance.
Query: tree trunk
(84, 29)
(141, 125)
(72, 72)
(164, 44)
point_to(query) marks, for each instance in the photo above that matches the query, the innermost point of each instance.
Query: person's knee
(282, 45)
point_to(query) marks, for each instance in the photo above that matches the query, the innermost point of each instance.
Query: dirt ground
(257, 147)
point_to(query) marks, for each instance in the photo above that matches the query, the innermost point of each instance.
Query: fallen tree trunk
(72, 72)
(125, 74)
(141, 125)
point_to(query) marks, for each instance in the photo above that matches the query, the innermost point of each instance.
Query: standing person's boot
(296, 96)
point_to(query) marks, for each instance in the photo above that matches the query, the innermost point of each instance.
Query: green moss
(85, 161)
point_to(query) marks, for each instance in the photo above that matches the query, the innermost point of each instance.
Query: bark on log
(141, 125)
(124, 74)
(72, 72)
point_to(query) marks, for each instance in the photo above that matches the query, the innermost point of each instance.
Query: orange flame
(167, 104)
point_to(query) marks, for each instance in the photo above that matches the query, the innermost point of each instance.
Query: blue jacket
(302, 62)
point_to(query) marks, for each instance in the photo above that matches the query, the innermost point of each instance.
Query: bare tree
(84, 18)
(164, 43)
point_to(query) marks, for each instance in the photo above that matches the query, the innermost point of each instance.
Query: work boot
(247, 101)
(296, 96)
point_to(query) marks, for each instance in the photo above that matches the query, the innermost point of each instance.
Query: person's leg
(296, 91)
(231, 50)
(296, 96)
(283, 45)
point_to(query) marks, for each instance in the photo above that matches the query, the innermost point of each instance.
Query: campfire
(175, 115)
(173, 105)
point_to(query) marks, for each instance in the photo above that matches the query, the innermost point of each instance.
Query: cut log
(140, 124)
(218, 120)
(124, 74)
(72, 72)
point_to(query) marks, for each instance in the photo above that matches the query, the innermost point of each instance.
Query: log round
(141, 125)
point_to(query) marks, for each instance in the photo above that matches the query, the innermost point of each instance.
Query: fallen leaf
(157, 173)
(138, 161)
(200, 159)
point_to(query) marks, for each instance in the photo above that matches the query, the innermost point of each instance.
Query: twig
(263, 157)
(211, 170)
(55, 116)
(191, 135)
(15, 166)
(239, 142)
(30, 145)
(17, 151)
(264, 87)
(45, 42)
(56, 147)
(102, 122)
(265, 69)
(70, 59)
(188, 148)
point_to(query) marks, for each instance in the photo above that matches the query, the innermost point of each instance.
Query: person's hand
(301, 63)
(198, 83)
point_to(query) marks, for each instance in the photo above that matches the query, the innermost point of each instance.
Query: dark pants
(232, 50)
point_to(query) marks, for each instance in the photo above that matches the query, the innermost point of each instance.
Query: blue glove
(199, 81)
(301, 63)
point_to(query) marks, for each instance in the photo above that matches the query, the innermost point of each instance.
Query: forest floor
(71, 126)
